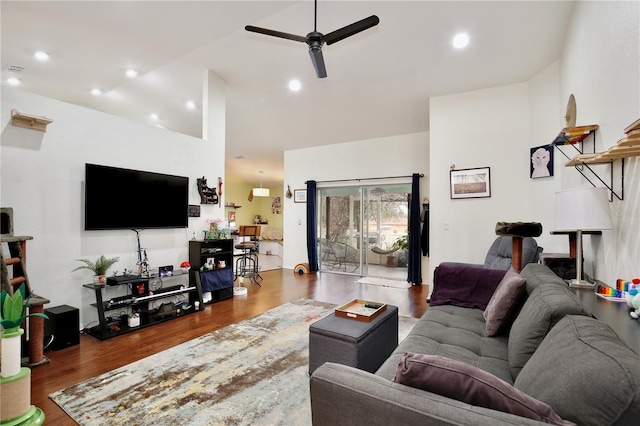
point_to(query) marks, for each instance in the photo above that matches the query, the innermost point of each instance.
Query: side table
(359, 344)
(615, 314)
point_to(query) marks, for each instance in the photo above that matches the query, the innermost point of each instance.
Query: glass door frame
(360, 234)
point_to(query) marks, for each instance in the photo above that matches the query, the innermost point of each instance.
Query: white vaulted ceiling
(379, 81)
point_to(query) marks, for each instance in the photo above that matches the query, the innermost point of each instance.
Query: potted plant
(15, 381)
(403, 246)
(12, 314)
(99, 267)
(402, 243)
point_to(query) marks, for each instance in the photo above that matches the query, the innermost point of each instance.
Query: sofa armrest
(346, 395)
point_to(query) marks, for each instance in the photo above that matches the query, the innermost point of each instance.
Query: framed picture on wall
(231, 216)
(194, 210)
(470, 183)
(300, 195)
(541, 164)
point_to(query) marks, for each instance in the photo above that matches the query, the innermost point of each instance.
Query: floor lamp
(578, 210)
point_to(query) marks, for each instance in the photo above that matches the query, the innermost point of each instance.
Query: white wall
(601, 67)
(393, 156)
(496, 127)
(484, 128)
(43, 180)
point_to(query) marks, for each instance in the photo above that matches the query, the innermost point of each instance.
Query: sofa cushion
(464, 286)
(545, 306)
(504, 303)
(578, 353)
(537, 274)
(463, 382)
(456, 333)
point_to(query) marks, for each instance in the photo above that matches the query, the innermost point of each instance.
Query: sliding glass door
(362, 229)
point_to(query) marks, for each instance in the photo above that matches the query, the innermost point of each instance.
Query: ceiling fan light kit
(315, 39)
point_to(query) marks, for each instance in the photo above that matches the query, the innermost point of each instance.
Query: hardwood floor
(93, 357)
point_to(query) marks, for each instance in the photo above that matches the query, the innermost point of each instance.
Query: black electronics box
(124, 279)
(63, 325)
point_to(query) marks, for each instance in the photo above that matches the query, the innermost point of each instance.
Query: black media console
(153, 299)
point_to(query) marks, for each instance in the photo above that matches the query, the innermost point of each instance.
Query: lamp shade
(584, 209)
(260, 192)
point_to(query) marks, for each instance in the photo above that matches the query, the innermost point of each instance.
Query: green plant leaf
(9, 326)
(37, 314)
(16, 308)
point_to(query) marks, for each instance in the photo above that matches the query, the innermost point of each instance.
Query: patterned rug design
(249, 373)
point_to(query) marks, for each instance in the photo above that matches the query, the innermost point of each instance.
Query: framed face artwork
(541, 164)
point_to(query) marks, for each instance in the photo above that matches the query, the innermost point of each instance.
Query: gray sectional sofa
(554, 352)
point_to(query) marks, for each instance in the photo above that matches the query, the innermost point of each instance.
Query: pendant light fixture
(261, 192)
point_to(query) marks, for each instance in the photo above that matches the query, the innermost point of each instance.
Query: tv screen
(118, 198)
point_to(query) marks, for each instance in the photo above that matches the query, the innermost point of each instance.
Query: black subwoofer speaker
(64, 325)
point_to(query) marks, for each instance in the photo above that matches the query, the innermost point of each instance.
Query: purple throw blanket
(464, 286)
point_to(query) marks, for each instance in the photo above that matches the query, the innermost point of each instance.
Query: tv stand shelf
(142, 300)
(212, 268)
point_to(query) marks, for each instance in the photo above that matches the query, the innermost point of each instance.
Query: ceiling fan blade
(352, 29)
(273, 33)
(318, 61)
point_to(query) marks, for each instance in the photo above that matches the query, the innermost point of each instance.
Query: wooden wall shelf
(574, 135)
(27, 121)
(626, 147)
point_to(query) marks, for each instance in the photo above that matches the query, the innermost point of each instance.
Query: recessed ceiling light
(239, 157)
(131, 73)
(41, 56)
(460, 40)
(13, 81)
(96, 92)
(190, 105)
(154, 117)
(294, 85)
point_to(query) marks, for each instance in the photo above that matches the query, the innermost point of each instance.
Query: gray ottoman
(359, 344)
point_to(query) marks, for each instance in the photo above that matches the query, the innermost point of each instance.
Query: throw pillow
(504, 303)
(464, 286)
(469, 384)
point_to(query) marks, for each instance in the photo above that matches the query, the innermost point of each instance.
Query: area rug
(249, 373)
(384, 282)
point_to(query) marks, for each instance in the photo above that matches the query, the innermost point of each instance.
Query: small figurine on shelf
(633, 298)
(214, 230)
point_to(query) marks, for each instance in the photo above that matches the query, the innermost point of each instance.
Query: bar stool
(247, 265)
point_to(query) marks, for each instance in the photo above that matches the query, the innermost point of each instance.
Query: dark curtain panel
(414, 275)
(312, 226)
(425, 229)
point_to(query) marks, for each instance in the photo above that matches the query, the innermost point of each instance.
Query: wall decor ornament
(541, 164)
(207, 195)
(276, 205)
(194, 210)
(470, 183)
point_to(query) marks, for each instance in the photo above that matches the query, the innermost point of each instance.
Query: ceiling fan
(315, 40)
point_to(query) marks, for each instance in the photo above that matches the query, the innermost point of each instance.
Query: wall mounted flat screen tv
(118, 198)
